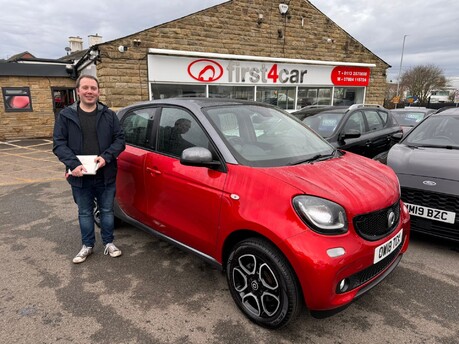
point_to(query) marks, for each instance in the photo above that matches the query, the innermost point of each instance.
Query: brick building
(33, 91)
(288, 55)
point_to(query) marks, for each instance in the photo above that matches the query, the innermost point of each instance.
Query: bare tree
(420, 80)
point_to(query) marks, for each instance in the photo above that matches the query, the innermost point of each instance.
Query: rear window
(409, 118)
(325, 123)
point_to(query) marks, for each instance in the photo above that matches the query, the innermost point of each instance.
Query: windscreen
(435, 131)
(264, 136)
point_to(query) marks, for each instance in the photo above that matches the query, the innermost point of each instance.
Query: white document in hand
(89, 164)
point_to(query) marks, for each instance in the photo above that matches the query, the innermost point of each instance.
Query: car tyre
(263, 284)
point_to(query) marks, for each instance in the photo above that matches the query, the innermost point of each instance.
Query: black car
(367, 130)
(314, 109)
(427, 164)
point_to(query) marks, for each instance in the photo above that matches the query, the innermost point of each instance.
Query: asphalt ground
(28, 161)
(155, 293)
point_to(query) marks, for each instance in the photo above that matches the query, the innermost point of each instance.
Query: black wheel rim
(256, 283)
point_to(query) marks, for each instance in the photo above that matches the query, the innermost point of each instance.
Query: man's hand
(78, 171)
(100, 161)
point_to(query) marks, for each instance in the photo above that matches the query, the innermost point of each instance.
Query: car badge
(391, 218)
(429, 183)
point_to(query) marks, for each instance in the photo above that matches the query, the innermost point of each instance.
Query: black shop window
(17, 99)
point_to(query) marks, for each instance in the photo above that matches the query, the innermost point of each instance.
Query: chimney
(75, 43)
(94, 39)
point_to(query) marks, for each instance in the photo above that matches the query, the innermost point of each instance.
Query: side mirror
(397, 137)
(198, 156)
(349, 134)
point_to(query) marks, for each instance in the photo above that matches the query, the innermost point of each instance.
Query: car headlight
(321, 215)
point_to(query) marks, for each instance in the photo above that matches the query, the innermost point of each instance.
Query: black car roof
(200, 102)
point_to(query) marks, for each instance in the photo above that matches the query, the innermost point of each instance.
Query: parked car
(291, 219)
(427, 164)
(409, 117)
(312, 110)
(362, 129)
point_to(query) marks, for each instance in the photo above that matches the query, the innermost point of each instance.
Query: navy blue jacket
(68, 140)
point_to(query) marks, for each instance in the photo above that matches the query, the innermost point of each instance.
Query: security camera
(122, 48)
(283, 8)
(70, 69)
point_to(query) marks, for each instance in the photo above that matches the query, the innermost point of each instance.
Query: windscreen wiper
(315, 158)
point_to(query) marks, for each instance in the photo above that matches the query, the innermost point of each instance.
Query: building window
(282, 97)
(62, 97)
(233, 92)
(348, 95)
(17, 99)
(314, 96)
(163, 91)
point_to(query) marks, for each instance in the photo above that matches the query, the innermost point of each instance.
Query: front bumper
(320, 275)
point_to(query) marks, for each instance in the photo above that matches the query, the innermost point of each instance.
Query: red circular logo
(205, 70)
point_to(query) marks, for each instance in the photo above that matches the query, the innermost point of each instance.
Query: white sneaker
(82, 255)
(112, 250)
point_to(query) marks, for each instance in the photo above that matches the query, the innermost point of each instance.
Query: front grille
(431, 199)
(374, 226)
(436, 201)
(367, 274)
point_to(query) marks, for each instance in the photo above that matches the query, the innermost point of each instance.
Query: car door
(379, 133)
(183, 201)
(355, 122)
(131, 193)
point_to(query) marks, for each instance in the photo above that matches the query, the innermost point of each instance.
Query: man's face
(88, 92)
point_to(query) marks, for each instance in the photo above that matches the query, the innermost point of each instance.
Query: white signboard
(166, 68)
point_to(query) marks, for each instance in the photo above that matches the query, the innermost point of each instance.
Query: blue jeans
(94, 188)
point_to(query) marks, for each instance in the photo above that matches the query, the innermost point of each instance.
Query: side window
(179, 130)
(355, 122)
(374, 120)
(137, 126)
(384, 116)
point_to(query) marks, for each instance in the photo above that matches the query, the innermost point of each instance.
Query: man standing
(89, 127)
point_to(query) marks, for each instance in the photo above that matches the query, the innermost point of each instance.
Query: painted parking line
(28, 161)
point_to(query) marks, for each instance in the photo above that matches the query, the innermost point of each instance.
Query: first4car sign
(205, 70)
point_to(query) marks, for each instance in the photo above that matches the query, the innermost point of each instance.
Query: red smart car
(292, 220)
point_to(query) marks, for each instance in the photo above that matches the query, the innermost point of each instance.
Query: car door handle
(368, 143)
(153, 171)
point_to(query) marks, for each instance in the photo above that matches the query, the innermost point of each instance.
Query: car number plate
(382, 251)
(431, 213)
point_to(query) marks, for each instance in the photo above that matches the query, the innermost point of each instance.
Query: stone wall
(40, 121)
(228, 28)
(232, 28)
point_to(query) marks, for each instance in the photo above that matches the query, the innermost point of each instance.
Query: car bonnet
(423, 161)
(352, 181)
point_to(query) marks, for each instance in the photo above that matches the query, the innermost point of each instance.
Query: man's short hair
(88, 77)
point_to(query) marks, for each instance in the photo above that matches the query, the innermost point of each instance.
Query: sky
(430, 28)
